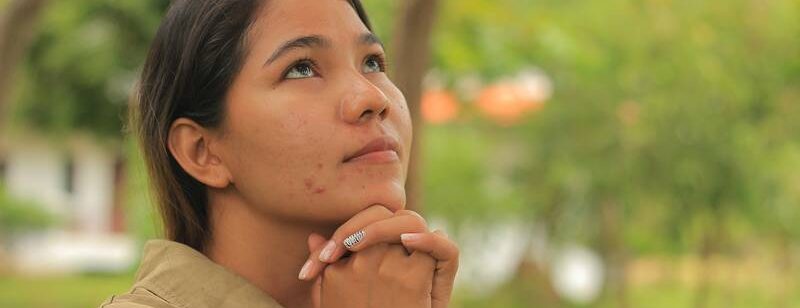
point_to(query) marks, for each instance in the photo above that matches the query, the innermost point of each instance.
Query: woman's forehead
(282, 20)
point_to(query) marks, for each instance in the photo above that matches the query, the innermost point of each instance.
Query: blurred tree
(673, 130)
(86, 56)
(411, 43)
(76, 78)
(409, 26)
(669, 122)
(18, 21)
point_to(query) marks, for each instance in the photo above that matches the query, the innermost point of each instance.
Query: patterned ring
(353, 239)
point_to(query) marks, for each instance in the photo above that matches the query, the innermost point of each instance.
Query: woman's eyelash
(381, 59)
(308, 61)
(378, 57)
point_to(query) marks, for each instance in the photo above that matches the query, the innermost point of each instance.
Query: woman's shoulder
(174, 275)
(136, 298)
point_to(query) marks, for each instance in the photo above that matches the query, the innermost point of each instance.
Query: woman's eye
(301, 70)
(373, 64)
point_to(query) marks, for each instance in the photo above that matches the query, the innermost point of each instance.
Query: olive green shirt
(173, 275)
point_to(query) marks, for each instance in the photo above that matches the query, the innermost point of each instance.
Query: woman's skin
(381, 227)
(278, 183)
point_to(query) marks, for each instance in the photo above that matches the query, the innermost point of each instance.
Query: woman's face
(311, 93)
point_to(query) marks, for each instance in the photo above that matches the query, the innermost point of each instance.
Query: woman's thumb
(315, 241)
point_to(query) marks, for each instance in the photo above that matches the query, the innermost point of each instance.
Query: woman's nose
(364, 101)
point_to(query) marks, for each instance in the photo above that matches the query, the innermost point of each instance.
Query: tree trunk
(533, 279)
(785, 264)
(613, 254)
(711, 245)
(705, 272)
(121, 177)
(17, 30)
(411, 53)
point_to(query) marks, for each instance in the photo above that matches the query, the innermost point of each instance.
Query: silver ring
(353, 239)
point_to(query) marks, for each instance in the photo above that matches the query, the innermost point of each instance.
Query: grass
(661, 295)
(91, 290)
(60, 291)
(660, 282)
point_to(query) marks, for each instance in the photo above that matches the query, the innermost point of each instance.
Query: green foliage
(140, 211)
(62, 291)
(20, 215)
(382, 14)
(464, 180)
(674, 123)
(679, 116)
(80, 69)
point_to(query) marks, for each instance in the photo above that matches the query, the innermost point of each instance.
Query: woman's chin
(390, 196)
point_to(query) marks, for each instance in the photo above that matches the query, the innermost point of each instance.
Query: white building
(80, 182)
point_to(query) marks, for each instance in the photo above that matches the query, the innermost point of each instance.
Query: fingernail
(304, 271)
(416, 214)
(410, 237)
(327, 252)
(353, 239)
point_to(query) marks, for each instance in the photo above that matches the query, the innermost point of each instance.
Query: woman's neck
(267, 252)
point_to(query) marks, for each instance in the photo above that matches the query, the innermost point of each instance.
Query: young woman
(278, 150)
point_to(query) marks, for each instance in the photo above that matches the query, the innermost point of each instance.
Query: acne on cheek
(309, 183)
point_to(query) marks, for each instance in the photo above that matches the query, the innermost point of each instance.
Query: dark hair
(194, 57)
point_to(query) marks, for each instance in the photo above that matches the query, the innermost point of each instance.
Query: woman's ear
(190, 144)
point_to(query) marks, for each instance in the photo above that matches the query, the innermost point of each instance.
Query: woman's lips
(385, 156)
(380, 150)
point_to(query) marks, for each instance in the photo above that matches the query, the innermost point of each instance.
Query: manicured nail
(353, 239)
(410, 237)
(304, 271)
(327, 252)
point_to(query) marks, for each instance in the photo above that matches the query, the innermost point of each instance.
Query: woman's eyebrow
(308, 41)
(311, 41)
(369, 38)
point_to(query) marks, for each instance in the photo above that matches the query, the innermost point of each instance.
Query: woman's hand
(380, 226)
(384, 275)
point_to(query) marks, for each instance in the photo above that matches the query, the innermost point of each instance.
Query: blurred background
(615, 153)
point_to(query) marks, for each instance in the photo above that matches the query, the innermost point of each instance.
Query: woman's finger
(446, 254)
(423, 261)
(372, 213)
(409, 212)
(312, 265)
(315, 241)
(354, 232)
(316, 293)
(387, 231)
(334, 248)
(436, 243)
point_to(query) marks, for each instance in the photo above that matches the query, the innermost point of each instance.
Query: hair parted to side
(195, 55)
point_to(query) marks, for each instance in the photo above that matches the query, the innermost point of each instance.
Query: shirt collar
(186, 277)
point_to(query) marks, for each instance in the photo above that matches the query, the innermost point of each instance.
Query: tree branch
(17, 30)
